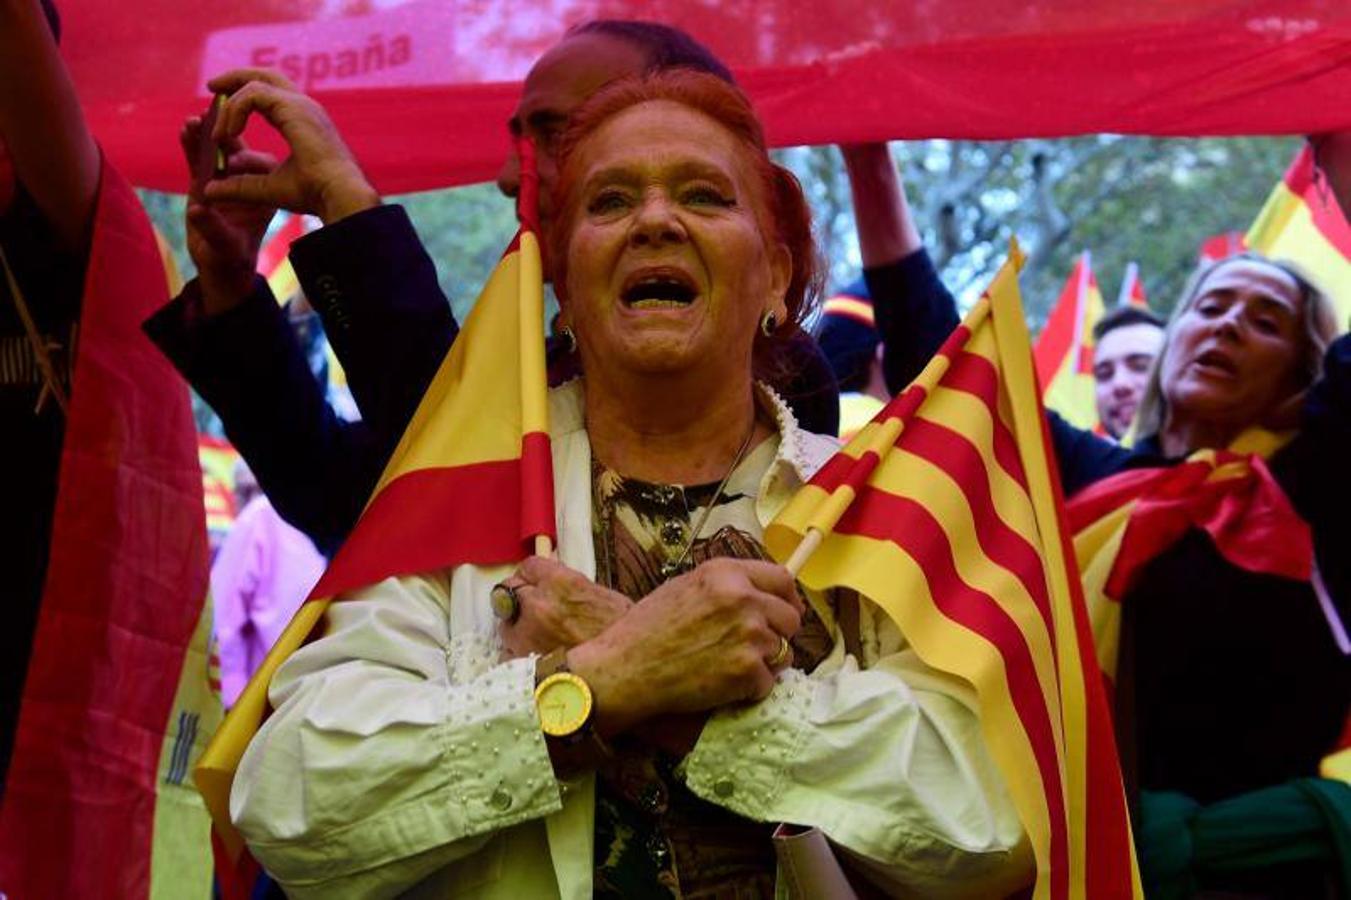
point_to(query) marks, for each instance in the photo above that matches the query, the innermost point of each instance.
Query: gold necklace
(671, 569)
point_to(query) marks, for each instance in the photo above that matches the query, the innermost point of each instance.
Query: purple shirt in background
(263, 572)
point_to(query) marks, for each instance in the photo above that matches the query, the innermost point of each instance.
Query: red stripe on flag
(955, 454)
(1107, 820)
(275, 250)
(417, 524)
(1301, 179)
(236, 877)
(875, 514)
(855, 471)
(976, 375)
(1057, 336)
(537, 488)
(125, 585)
(834, 473)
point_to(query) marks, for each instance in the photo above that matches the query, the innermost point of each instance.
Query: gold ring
(505, 602)
(781, 655)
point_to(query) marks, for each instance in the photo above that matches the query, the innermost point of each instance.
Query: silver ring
(781, 655)
(506, 602)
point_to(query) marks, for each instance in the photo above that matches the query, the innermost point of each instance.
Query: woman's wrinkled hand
(320, 176)
(698, 642)
(559, 607)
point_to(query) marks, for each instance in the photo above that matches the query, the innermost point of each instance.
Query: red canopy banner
(422, 89)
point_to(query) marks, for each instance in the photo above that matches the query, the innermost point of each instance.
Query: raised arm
(915, 312)
(43, 130)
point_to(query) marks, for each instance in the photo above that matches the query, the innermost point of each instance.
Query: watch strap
(585, 749)
(551, 663)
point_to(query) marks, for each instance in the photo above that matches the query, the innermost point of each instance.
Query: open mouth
(659, 289)
(1217, 362)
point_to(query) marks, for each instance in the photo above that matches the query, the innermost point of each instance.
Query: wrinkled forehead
(1252, 277)
(664, 139)
(569, 73)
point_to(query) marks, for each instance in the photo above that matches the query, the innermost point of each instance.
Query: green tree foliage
(1151, 200)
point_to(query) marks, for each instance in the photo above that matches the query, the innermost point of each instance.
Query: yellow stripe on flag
(957, 550)
(448, 428)
(487, 396)
(876, 569)
(1285, 229)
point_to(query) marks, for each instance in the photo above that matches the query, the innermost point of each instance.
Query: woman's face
(1233, 354)
(668, 269)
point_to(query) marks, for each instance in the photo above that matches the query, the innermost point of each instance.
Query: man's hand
(223, 237)
(320, 176)
(1332, 153)
(560, 607)
(698, 642)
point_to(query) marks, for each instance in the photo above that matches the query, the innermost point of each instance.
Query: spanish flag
(470, 482)
(1132, 288)
(1064, 351)
(946, 512)
(1121, 523)
(272, 257)
(117, 701)
(1302, 222)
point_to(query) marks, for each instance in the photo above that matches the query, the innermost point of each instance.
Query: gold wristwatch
(565, 706)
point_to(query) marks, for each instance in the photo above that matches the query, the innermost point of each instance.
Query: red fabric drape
(421, 89)
(125, 585)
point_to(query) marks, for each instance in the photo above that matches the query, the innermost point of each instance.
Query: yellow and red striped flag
(1302, 222)
(1222, 245)
(470, 482)
(272, 257)
(946, 512)
(218, 459)
(1132, 288)
(1121, 523)
(1064, 351)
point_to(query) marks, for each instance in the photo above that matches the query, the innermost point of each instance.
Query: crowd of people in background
(405, 750)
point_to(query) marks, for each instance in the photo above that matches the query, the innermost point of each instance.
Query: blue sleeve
(245, 363)
(1313, 468)
(1084, 457)
(384, 312)
(914, 312)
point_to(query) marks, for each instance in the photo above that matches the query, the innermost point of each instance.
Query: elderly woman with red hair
(661, 694)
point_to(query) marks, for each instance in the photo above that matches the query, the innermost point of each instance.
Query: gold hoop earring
(569, 339)
(769, 323)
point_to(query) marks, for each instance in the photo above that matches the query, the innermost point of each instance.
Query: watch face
(564, 703)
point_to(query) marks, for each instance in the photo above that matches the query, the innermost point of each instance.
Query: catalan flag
(117, 701)
(471, 481)
(1064, 351)
(945, 511)
(1302, 222)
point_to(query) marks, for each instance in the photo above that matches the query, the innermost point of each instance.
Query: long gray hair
(1319, 321)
